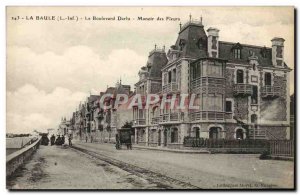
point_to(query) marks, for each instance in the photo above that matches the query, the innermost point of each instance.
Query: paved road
(205, 170)
(100, 166)
(55, 167)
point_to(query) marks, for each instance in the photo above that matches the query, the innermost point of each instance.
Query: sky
(53, 65)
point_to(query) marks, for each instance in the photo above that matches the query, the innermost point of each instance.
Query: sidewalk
(134, 146)
(191, 151)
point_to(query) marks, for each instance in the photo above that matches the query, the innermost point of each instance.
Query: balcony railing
(270, 91)
(257, 134)
(171, 117)
(207, 115)
(170, 87)
(210, 82)
(242, 89)
(155, 120)
(140, 121)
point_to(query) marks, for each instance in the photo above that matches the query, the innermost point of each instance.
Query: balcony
(207, 116)
(242, 89)
(155, 120)
(170, 87)
(257, 134)
(139, 122)
(170, 117)
(212, 83)
(270, 92)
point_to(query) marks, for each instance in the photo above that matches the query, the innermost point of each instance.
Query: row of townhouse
(93, 123)
(242, 91)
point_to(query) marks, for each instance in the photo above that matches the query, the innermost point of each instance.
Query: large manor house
(242, 92)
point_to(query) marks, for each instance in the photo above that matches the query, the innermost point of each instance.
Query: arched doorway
(174, 135)
(214, 133)
(239, 134)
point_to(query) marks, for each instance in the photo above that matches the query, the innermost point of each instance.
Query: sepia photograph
(150, 98)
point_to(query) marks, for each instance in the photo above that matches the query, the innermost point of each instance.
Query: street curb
(172, 150)
(285, 158)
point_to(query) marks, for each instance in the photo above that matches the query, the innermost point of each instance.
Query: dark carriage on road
(123, 137)
(44, 139)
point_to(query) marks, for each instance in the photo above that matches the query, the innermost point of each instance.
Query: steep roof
(121, 89)
(93, 98)
(225, 52)
(193, 40)
(156, 60)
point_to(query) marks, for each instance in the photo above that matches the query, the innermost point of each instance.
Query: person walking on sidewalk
(86, 139)
(70, 140)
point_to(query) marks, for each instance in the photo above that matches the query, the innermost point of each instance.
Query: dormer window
(181, 44)
(200, 43)
(264, 52)
(237, 53)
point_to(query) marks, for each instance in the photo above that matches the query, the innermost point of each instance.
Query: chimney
(213, 42)
(278, 51)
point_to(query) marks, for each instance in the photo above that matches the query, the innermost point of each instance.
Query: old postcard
(150, 98)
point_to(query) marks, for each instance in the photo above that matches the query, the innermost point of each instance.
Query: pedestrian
(52, 139)
(58, 140)
(86, 138)
(70, 140)
(63, 139)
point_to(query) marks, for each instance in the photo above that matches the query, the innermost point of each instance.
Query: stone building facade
(242, 91)
(93, 123)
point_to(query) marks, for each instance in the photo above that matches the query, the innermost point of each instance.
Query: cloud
(29, 108)
(79, 68)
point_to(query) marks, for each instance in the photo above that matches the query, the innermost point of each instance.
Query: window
(254, 118)
(279, 52)
(169, 77)
(212, 102)
(214, 54)
(237, 53)
(181, 44)
(213, 70)
(254, 95)
(200, 43)
(141, 114)
(228, 106)
(174, 75)
(239, 76)
(195, 71)
(268, 79)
